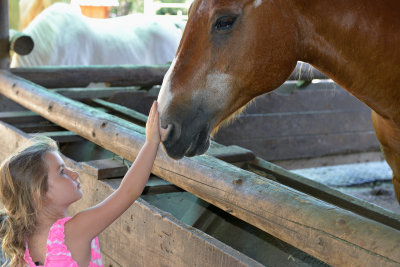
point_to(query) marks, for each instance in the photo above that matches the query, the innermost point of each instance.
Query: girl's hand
(152, 125)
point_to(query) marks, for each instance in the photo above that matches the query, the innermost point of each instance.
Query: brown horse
(234, 50)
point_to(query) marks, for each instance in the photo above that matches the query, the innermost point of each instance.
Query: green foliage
(171, 11)
(127, 7)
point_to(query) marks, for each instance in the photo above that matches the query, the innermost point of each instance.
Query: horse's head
(230, 52)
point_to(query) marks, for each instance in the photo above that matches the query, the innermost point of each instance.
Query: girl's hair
(23, 185)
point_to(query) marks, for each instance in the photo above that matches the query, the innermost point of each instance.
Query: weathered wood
(4, 28)
(20, 43)
(322, 96)
(106, 168)
(248, 126)
(154, 237)
(230, 154)
(124, 75)
(321, 120)
(35, 127)
(334, 235)
(11, 139)
(136, 116)
(157, 185)
(87, 93)
(324, 192)
(23, 116)
(82, 76)
(306, 146)
(63, 136)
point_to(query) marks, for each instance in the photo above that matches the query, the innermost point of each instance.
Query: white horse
(63, 36)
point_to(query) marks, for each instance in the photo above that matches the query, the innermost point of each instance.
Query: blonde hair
(23, 185)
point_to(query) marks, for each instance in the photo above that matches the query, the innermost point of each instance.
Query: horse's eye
(224, 23)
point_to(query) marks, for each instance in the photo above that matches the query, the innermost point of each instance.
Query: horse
(63, 36)
(234, 50)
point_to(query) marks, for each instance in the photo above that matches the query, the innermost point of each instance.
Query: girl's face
(63, 183)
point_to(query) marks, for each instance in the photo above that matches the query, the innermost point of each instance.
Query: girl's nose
(73, 174)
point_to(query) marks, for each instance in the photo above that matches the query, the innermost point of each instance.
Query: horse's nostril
(166, 132)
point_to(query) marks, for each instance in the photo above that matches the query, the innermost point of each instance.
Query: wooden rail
(334, 235)
(123, 75)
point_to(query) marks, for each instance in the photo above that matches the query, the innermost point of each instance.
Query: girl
(36, 189)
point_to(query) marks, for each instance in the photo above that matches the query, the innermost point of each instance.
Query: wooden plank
(294, 124)
(11, 139)
(156, 185)
(230, 154)
(324, 192)
(4, 42)
(82, 76)
(107, 168)
(154, 237)
(315, 97)
(136, 116)
(23, 116)
(308, 146)
(332, 234)
(93, 92)
(37, 127)
(63, 136)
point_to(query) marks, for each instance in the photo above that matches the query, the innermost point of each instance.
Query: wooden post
(335, 236)
(4, 42)
(81, 76)
(20, 43)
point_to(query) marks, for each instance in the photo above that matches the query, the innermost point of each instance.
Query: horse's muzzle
(178, 143)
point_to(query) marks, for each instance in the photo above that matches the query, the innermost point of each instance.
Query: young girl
(36, 189)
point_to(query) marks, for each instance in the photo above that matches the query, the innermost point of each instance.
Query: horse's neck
(351, 41)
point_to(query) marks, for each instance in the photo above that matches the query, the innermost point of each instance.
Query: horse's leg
(388, 134)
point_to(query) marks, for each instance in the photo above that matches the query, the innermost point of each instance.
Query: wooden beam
(136, 116)
(63, 136)
(332, 234)
(24, 116)
(20, 43)
(4, 42)
(325, 193)
(88, 93)
(106, 168)
(82, 76)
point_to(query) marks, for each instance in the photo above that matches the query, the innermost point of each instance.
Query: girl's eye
(62, 172)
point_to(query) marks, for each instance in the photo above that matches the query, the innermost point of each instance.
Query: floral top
(57, 253)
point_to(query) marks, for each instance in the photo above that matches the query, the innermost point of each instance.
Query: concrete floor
(370, 181)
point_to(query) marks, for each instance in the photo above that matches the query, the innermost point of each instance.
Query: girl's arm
(87, 224)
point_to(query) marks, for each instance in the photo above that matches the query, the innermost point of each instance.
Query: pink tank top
(57, 254)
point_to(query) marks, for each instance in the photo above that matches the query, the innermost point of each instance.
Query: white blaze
(257, 3)
(216, 91)
(165, 96)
